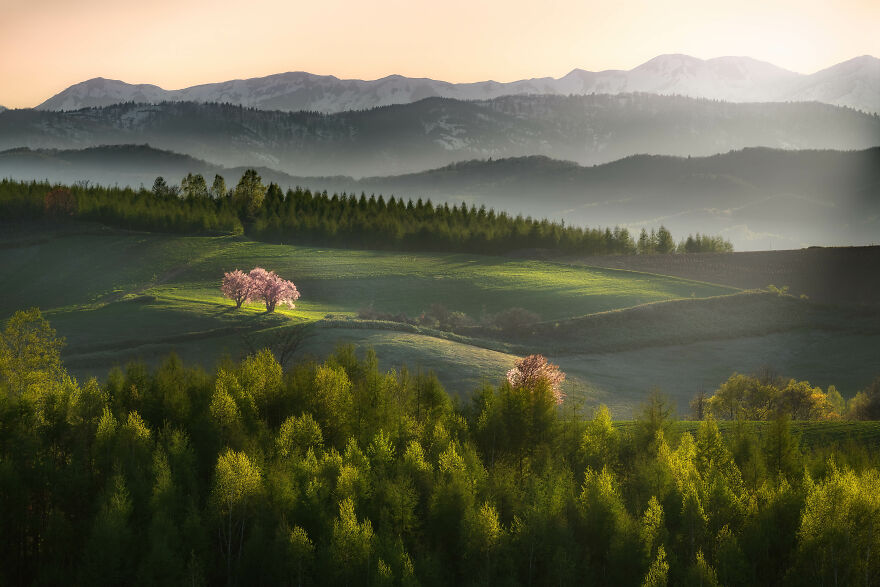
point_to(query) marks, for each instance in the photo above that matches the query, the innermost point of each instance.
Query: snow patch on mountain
(854, 83)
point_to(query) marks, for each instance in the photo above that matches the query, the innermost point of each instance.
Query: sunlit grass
(118, 296)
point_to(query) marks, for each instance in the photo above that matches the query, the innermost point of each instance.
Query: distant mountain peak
(854, 83)
(856, 64)
(670, 58)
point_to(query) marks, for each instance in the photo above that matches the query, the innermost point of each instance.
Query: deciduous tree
(193, 187)
(218, 188)
(272, 289)
(238, 287)
(250, 192)
(535, 370)
(237, 481)
(30, 350)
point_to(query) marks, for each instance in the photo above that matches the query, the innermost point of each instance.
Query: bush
(514, 320)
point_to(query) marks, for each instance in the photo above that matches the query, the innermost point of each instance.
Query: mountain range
(433, 132)
(757, 198)
(854, 83)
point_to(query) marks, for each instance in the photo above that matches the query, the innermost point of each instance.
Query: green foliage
(299, 434)
(600, 443)
(249, 193)
(351, 544)
(705, 244)
(193, 187)
(218, 188)
(658, 571)
(267, 213)
(30, 351)
(337, 472)
(840, 528)
(752, 398)
(865, 405)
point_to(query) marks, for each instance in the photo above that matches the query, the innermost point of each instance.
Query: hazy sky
(47, 45)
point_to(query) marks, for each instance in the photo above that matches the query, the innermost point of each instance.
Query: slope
(119, 296)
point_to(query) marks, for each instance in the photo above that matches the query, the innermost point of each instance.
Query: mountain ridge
(434, 132)
(854, 83)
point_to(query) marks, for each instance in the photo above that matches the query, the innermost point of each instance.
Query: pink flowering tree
(534, 370)
(237, 286)
(272, 289)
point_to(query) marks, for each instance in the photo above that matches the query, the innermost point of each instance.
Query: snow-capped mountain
(103, 92)
(293, 92)
(854, 83)
(732, 79)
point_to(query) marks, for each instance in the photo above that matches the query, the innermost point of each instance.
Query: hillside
(757, 198)
(434, 132)
(85, 279)
(124, 165)
(830, 275)
(853, 83)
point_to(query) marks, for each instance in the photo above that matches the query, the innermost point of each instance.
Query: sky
(48, 45)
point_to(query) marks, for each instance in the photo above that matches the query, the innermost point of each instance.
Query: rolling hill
(124, 165)
(119, 296)
(832, 275)
(854, 83)
(433, 132)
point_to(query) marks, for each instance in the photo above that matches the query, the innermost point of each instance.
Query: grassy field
(332, 280)
(119, 296)
(826, 274)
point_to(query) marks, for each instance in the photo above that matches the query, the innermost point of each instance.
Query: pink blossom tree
(535, 370)
(237, 286)
(272, 289)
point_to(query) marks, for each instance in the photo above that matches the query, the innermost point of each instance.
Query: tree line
(338, 472)
(302, 216)
(767, 396)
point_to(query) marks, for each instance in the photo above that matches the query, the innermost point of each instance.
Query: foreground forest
(337, 472)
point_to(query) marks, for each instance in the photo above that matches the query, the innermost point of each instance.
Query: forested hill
(435, 131)
(754, 196)
(130, 165)
(339, 473)
(758, 198)
(823, 174)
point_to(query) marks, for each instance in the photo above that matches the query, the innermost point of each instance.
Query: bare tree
(282, 342)
(698, 405)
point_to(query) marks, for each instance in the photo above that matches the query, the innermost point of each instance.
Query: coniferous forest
(337, 472)
(304, 217)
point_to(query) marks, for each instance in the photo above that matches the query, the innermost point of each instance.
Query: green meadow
(118, 296)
